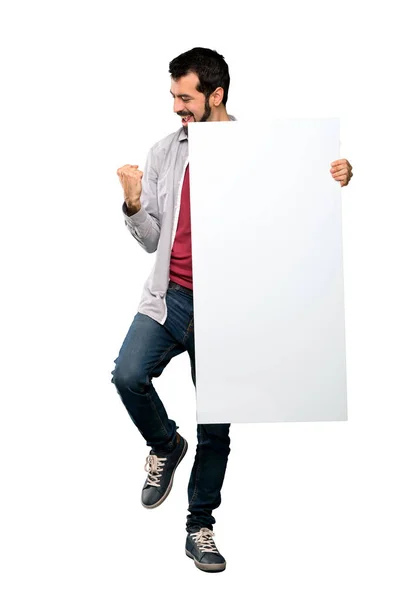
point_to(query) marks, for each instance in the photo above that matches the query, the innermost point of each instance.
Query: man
(157, 213)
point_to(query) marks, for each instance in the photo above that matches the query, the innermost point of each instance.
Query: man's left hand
(342, 171)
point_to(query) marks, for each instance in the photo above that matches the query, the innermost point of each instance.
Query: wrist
(132, 207)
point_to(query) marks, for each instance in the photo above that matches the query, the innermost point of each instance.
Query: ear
(218, 96)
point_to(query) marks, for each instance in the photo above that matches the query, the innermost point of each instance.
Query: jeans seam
(188, 331)
(195, 491)
(197, 476)
(156, 411)
(174, 345)
(148, 394)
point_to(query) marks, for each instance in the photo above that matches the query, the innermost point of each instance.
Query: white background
(308, 510)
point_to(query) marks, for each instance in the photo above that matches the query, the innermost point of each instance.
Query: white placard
(267, 271)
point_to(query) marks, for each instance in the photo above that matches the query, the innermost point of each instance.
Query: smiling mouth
(186, 119)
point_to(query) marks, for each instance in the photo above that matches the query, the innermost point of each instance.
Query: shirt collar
(183, 135)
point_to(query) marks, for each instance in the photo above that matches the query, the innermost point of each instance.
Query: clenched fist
(131, 180)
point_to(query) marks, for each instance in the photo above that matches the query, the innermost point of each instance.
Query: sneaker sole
(204, 567)
(167, 491)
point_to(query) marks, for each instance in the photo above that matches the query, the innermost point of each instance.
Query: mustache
(184, 115)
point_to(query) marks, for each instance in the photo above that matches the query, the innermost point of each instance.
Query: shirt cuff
(138, 218)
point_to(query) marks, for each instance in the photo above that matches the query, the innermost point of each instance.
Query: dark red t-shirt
(180, 270)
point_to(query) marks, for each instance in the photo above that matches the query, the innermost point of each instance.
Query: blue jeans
(147, 349)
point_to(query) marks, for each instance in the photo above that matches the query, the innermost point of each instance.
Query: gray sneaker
(202, 549)
(161, 467)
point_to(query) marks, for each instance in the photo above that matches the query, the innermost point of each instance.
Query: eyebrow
(181, 95)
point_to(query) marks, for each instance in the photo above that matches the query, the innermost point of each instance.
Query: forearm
(144, 228)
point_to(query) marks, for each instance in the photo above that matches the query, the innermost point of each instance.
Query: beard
(205, 117)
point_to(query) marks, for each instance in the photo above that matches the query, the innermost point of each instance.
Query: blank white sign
(267, 271)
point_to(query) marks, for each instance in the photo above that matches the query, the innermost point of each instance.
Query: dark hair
(208, 65)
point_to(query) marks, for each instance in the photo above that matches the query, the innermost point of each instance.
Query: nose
(179, 105)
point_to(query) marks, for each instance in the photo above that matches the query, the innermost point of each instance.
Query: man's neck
(219, 115)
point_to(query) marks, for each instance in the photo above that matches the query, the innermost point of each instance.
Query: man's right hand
(131, 180)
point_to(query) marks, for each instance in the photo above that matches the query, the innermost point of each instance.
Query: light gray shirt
(154, 225)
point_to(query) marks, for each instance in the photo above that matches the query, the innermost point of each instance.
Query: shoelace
(203, 539)
(154, 465)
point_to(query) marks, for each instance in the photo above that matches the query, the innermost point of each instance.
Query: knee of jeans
(134, 379)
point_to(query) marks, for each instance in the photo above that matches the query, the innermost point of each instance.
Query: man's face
(188, 102)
